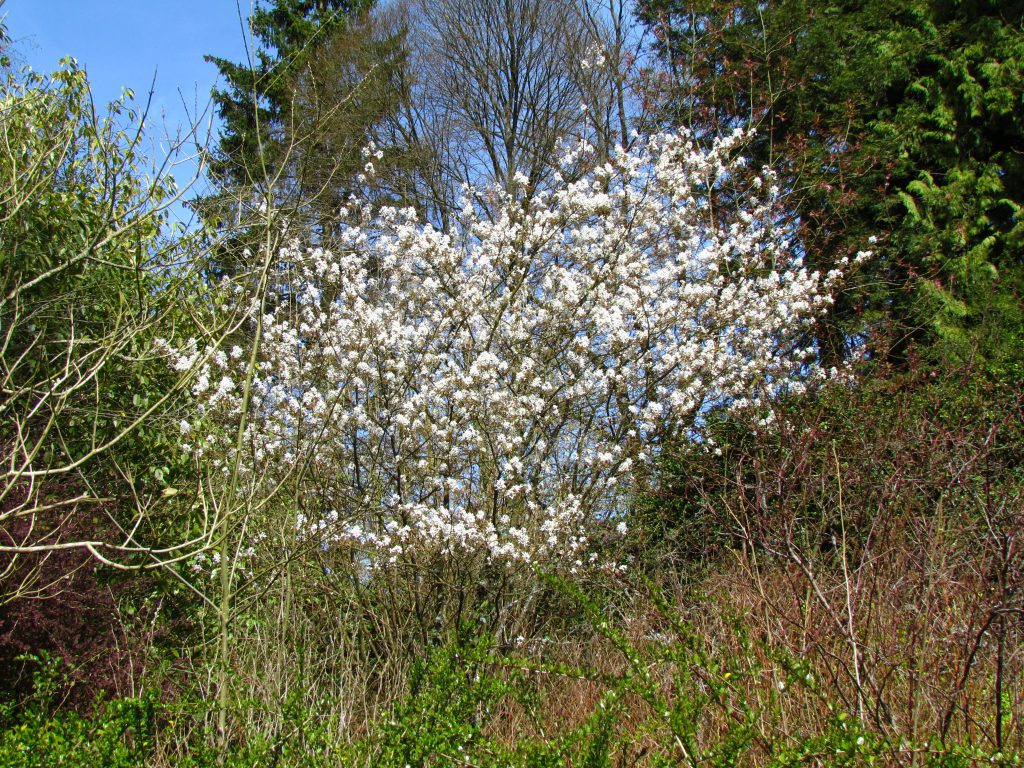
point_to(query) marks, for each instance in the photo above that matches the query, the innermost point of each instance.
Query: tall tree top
(258, 92)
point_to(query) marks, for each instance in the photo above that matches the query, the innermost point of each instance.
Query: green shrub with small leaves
(38, 733)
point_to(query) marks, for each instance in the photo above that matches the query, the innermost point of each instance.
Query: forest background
(541, 383)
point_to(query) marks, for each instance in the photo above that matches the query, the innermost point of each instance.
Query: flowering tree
(487, 391)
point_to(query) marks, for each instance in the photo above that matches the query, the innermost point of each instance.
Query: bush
(38, 732)
(875, 533)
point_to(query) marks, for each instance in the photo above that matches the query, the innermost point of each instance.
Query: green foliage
(296, 119)
(458, 696)
(77, 215)
(38, 734)
(679, 700)
(961, 129)
(87, 282)
(893, 444)
(41, 731)
(448, 706)
(888, 118)
(901, 119)
(79, 227)
(5, 43)
(255, 105)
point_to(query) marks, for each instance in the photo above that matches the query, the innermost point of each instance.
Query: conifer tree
(890, 118)
(297, 115)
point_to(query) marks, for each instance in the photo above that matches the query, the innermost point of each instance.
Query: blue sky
(124, 43)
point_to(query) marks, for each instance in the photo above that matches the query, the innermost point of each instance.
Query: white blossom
(491, 388)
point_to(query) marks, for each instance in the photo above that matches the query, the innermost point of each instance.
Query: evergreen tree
(256, 101)
(883, 117)
(296, 117)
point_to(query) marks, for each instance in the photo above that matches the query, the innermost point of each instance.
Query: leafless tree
(493, 87)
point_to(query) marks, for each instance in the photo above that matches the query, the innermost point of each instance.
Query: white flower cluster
(491, 388)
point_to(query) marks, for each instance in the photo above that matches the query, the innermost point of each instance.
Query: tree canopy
(901, 120)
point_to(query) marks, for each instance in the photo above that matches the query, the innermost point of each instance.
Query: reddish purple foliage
(63, 604)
